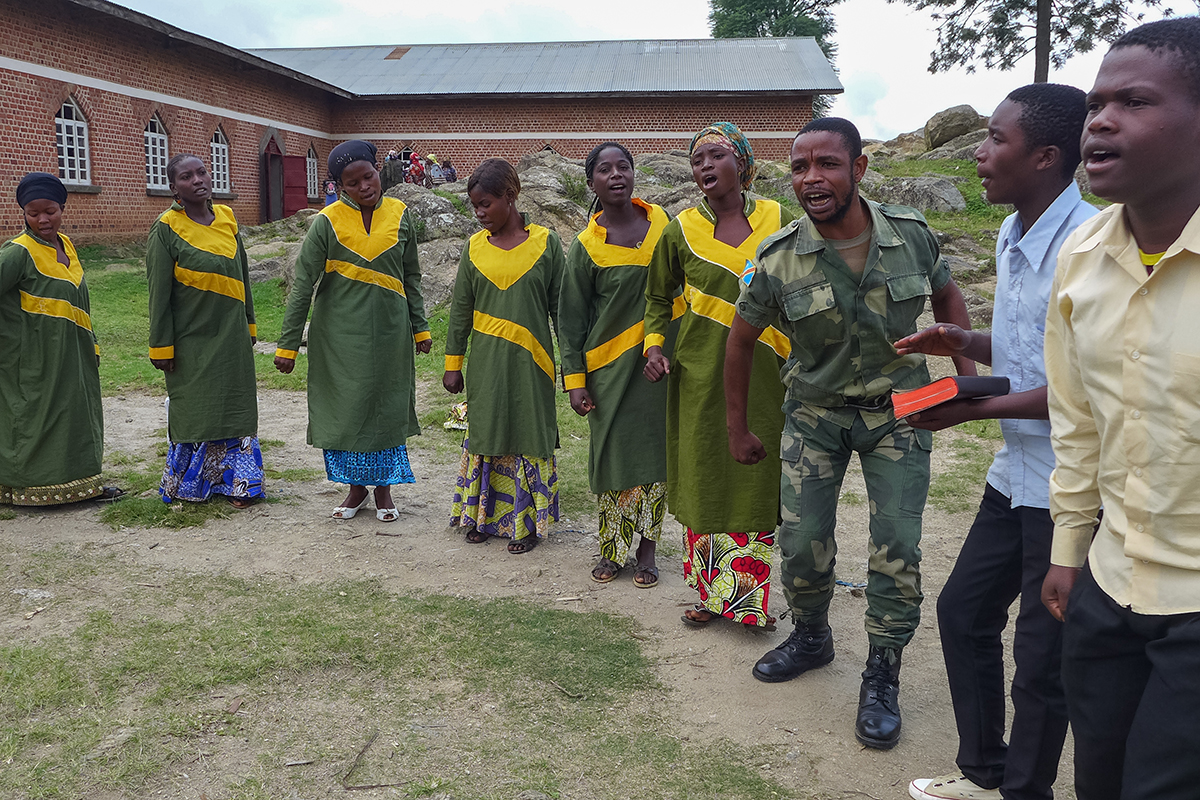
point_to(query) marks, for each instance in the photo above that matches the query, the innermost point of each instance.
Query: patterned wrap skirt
(54, 495)
(197, 471)
(380, 468)
(626, 512)
(513, 496)
(732, 573)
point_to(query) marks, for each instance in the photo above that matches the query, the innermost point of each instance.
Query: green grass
(454, 199)
(152, 512)
(484, 700)
(576, 189)
(957, 488)
(294, 475)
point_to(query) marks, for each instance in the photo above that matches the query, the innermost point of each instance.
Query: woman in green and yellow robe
(368, 321)
(601, 311)
(730, 510)
(51, 421)
(505, 297)
(202, 334)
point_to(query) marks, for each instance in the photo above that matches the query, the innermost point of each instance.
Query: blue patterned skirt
(197, 471)
(380, 468)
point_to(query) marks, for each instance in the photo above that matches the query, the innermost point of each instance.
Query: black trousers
(1006, 554)
(1133, 691)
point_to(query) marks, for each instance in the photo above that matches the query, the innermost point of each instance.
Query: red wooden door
(295, 184)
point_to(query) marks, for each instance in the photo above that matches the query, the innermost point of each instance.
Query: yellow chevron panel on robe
(45, 259)
(364, 275)
(604, 354)
(54, 307)
(211, 282)
(518, 335)
(505, 267)
(217, 238)
(385, 227)
(678, 306)
(720, 311)
(698, 233)
(604, 254)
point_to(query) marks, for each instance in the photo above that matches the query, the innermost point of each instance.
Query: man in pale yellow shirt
(1123, 366)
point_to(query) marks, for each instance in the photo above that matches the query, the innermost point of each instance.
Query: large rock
(945, 125)
(273, 260)
(440, 216)
(439, 266)
(673, 200)
(289, 229)
(960, 147)
(905, 145)
(663, 170)
(923, 193)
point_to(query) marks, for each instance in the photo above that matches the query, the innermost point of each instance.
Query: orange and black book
(956, 387)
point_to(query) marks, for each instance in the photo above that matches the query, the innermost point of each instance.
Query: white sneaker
(954, 786)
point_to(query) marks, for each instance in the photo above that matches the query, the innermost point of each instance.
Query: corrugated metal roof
(569, 68)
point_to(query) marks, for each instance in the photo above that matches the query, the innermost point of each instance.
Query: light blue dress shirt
(1025, 263)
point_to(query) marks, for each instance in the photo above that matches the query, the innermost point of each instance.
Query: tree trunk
(1041, 48)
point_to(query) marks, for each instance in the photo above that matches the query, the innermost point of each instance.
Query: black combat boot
(878, 723)
(808, 647)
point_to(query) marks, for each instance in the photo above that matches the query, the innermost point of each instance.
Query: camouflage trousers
(895, 464)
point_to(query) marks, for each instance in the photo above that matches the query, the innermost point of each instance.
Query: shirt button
(1141, 529)
(1138, 472)
(1135, 355)
(1142, 291)
(1136, 414)
(829, 302)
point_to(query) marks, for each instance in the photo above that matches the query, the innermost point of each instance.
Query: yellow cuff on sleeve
(253, 330)
(454, 363)
(162, 353)
(652, 340)
(97, 349)
(576, 381)
(281, 353)
(423, 336)
(1070, 546)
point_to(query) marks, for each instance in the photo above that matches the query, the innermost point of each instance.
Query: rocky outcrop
(960, 147)
(273, 260)
(439, 266)
(437, 216)
(946, 125)
(922, 193)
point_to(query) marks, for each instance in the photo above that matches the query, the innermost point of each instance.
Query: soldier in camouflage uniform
(844, 282)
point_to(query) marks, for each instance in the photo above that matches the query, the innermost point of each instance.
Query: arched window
(314, 181)
(219, 147)
(71, 140)
(157, 154)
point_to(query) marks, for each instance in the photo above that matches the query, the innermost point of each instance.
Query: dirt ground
(707, 671)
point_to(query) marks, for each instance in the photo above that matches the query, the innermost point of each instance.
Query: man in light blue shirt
(1028, 160)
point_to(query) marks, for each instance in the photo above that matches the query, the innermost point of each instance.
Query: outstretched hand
(946, 415)
(942, 339)
(581, 401)
(657, 365)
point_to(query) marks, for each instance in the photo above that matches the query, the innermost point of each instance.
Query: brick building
(104, 96)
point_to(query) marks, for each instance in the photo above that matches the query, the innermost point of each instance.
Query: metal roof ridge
(762, 39)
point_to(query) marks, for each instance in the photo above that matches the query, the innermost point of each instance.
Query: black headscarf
(347, 153)
(41, 186)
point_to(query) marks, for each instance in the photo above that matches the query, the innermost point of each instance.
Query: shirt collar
(884, 234)
(1036, 242)
(1117, 240)
(706, 210)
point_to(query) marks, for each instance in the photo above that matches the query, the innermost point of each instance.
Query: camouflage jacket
(841, 325)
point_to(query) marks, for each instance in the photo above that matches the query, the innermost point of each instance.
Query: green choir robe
(706, 489)
(367, 315)
(601, 329)
(202, 316)
(51, 420)
(508, 299)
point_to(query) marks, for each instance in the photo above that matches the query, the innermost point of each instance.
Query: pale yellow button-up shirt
(1123, 367)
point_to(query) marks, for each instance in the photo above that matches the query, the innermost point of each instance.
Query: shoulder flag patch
(747, 273)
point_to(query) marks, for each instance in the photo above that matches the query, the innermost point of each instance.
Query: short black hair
(842, 127)
(1052, 114)
(1180, 34)
(495, 176)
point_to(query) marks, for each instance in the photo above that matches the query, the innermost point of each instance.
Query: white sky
(883, 49)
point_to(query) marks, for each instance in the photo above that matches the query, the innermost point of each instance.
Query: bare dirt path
(707, 672)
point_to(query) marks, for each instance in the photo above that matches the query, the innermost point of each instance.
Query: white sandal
(387, 514)
(348, 512)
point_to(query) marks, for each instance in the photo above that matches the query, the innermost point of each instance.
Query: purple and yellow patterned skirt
(513, 496)
(732, 573)
(196, 471)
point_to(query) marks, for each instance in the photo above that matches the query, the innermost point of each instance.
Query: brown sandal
(523, 545)
(476, 536)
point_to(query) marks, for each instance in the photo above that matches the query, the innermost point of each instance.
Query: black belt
(870, 403)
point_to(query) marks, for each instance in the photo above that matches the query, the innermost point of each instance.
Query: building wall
(467, 133)
(92, 49)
